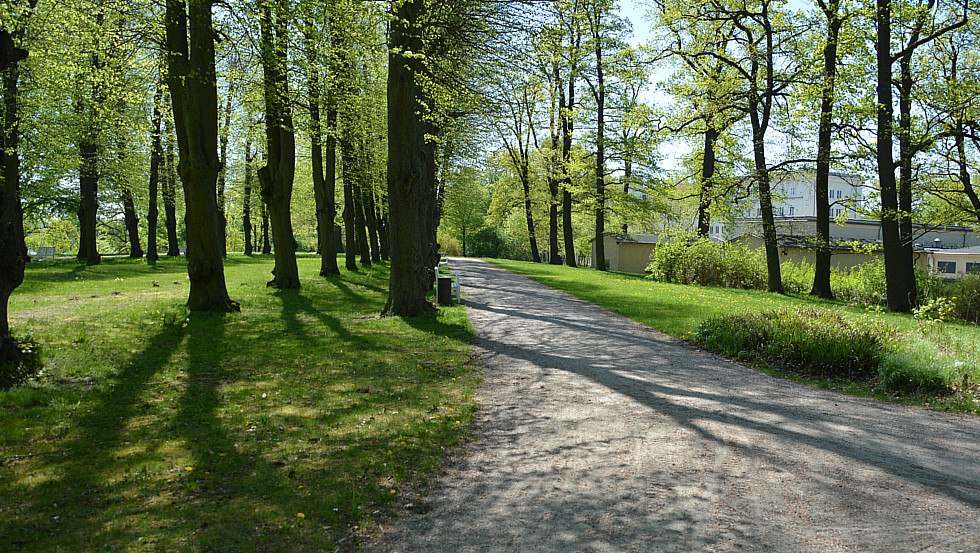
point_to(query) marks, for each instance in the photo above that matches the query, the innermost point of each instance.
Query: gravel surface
(598, 434)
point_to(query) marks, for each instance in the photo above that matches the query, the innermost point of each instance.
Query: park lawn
(675, 309)
(287, 427)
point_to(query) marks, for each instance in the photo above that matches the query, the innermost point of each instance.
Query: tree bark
(370, 212)
(324, 176)
(708, 163)
(88, 178)
(528, 213)
(360, 219)
(194, 95)
(600, 149)
(223, 172)
(410, 251)
(266, 243)
(169, 193)
(277, 175)
(156, 157)
(821, 275)
(13, 250)
(132, 221)
(896, 285)
(567, 104)
(350, 227)
(247, 199)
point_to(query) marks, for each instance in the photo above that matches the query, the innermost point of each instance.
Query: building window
(792, 210)
(973, 268)
(947, 267)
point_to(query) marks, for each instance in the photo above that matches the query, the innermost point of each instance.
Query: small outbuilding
(628, 253)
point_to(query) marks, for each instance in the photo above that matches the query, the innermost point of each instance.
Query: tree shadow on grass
(72, 507)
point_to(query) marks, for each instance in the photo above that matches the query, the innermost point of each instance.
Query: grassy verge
(286, 427)
(922, 351)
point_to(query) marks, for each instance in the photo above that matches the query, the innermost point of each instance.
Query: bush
(20, 361)
(449, 245)
(708, 263)
(486, 243)
(965, 292)
(812, 342)
(862, 285)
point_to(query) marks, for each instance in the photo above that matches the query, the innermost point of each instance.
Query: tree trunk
(13, 250)
(350, 233)
(223, 173)
(360, 220)
(567, 128)
(247, 199)
(821, 275)
(276, 177)
(132, 221)
(370, 211)
(89, 205)
(906, 155)
(169, 193)
(896, 285)
(528, 214)
(324, 177)
(708, 163)
(266, 243)
(383, 228)
(409, 250)
(156, 157)
(194, 94)
(600, 155)
(765, 202)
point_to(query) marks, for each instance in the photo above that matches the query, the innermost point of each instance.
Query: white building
(794, 196)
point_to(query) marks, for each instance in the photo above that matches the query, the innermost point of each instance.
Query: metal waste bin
(444, 290)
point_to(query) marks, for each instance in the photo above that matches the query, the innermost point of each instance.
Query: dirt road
(598, 434)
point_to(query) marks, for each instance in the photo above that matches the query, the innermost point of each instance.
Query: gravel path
(599, 434)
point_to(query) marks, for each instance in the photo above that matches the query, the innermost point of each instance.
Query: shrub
(812, 342)
(708, 263)
(486, 243)
(966, 293)
(862, 285)
(20, 361)
(449, 245)
(797, 279)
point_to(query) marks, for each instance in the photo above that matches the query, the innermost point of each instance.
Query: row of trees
(754, 90)
(383, 108)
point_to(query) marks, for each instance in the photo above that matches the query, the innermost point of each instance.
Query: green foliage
(965, 290)
(487, 243)
(708, 263)
(20, 361)
(449, 245)
(808, 341)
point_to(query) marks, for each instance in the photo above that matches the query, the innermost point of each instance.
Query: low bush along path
(598, 434)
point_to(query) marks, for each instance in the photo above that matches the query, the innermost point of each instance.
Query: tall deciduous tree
(194, 96)
(13, 250)
(277, 174)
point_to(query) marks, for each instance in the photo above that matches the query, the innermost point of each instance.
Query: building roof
(972, 250)
(637, 238)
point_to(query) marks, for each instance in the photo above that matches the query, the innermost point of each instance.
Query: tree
(466, 204)
(277, 174)
(156, 158)
(925, 24)
(324, 167)
(194, 97)
(13, 249)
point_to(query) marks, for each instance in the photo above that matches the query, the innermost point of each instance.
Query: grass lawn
(950, 349)
(286, 427)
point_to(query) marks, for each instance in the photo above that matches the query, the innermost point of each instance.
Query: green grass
(287, 427)
(947, 352)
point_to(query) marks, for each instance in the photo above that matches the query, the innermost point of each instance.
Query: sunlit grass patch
(935, 364)
(158, 429)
